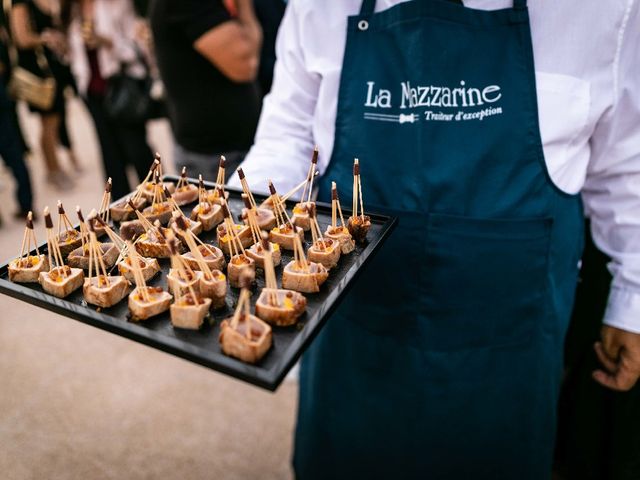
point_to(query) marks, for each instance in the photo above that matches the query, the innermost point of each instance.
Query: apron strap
(369, 6)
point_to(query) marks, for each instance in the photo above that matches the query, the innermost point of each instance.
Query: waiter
(478, 125)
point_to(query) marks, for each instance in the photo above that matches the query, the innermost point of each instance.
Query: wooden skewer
(220, 179)
(28, 238)
(299, 256)
(360, 194)
(154, 166)
(55, 256)
(84, 233)
(94, 246)
(356, 173)
(316, 233)
(144, 220)
(290, 193)
(32, 235)
(184, 271)
(24, 238)
(310, 174)
(188, 235)
(243, 307)
(251, 218)
(235, 245)
(202, 193)
(158, 168)
(336, 199)
(183, 178)
(93, 258)
(106, 201)
(314, 165)
(138, 277)
(245, 188)
(63, 220)
(269, 271)
(279, 208)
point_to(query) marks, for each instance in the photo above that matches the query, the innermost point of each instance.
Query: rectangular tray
(202, 346)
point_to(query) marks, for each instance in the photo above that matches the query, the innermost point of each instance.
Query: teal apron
(445, 360)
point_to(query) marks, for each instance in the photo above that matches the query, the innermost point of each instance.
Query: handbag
(128, 99)
(37, 91)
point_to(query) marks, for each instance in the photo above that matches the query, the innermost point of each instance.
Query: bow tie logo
(407, 118)
(401, 118)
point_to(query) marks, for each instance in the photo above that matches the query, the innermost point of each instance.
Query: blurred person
(11, 147)
(269, 14)
(208, 54)
(102, 39)
(35, 23)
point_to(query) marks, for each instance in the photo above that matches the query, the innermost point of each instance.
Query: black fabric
(209, 113)
(599, 430)
(269, 13)
(27, 59)
(121, 145)
(12, 152)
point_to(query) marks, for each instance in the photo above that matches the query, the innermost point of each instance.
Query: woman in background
(34, 24)
(102, 38)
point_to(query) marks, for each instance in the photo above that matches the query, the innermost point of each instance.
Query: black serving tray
(202, 346)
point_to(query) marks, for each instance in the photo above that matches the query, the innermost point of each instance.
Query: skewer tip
(356, 167)
(79, 212)
(109, 185)
(225, 210)
(183, 172)
(264, 240)
(173, 246)
(223, 161)
(272, 189)
(247, 202)
(47, 218)
(240, 173)
(181, 223)
(30, 220)
(60, 208)
(314, 158)
(167, 193)
(130, 203)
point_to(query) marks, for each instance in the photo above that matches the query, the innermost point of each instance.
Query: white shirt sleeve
(612, 189)
(284, 139)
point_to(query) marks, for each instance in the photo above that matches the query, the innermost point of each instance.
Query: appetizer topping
(190, 300)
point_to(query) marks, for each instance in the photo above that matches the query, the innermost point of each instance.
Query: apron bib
(445, 360)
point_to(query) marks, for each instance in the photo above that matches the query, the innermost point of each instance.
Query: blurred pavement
(80, 403)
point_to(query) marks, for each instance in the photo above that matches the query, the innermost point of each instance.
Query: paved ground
(79, 403)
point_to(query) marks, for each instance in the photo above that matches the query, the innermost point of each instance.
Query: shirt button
(363, 25)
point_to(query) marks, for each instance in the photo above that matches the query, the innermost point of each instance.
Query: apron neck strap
(369, 6)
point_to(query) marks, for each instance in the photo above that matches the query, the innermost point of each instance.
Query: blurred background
(76, 402)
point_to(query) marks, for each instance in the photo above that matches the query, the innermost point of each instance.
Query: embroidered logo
(453, 104)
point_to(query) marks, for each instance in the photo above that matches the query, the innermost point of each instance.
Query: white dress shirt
(587, 60)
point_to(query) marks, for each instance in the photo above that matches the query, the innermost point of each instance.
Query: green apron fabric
(445, 360)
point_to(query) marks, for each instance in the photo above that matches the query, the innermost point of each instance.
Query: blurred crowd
(205, 65)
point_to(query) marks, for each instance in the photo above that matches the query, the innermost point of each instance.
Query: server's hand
(619, 353)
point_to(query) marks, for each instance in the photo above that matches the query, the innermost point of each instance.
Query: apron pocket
(485, 281)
